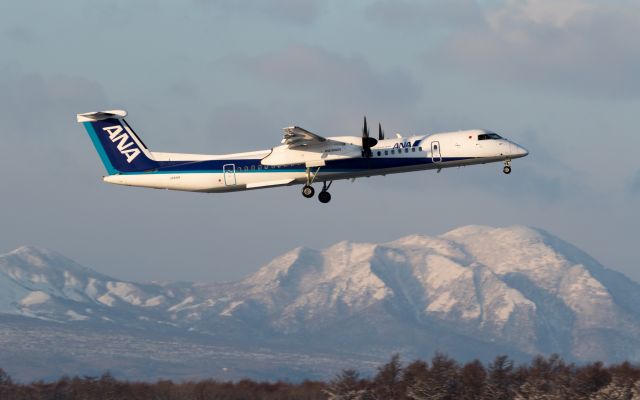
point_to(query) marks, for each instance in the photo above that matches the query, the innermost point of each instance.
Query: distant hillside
(474, 292)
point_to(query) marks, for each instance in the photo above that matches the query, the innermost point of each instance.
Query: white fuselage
(337, 158)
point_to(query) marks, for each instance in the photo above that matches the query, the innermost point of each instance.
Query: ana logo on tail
(117, 134)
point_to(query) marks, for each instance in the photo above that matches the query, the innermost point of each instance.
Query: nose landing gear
(507, 167)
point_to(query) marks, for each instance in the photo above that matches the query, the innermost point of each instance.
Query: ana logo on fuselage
(402, 145)
(117, 134)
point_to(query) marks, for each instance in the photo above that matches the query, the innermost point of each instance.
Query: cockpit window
(489, 136)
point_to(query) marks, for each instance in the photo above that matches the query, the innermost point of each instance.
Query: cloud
(531, 180)
(577, 46)
(402, 14)
(32, 105)
(20, 34)
(291, 11)
(634, 186)
(245, 128)
(337, 81)
(184, 89)
(542, 12)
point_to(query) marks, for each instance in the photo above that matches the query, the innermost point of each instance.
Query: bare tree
(590, 378)
(387, 384)
(473, 380)
(441, 382)
(346, 386)
(500, 382)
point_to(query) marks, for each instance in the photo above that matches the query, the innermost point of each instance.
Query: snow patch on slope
(518, 286)
(34, 298)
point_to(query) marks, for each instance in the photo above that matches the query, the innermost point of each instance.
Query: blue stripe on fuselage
(344, 165)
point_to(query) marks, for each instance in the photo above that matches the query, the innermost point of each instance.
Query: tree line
(441, 378)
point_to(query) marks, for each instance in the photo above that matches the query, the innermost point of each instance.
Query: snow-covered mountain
(43, 284)
(473, 292)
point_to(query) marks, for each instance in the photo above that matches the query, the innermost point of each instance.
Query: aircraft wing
(295, 136)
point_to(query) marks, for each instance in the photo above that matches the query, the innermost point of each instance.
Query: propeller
(380, 132)
(367, 142)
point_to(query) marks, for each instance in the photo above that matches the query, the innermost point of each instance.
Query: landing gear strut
(507, 167)
(307, 190)
(324, 196)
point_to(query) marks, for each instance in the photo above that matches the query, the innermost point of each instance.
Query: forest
(440, 378)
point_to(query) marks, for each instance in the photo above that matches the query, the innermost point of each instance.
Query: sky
(213, 76)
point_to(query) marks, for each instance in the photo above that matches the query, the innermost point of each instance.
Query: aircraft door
(435, 152)
(229, 174)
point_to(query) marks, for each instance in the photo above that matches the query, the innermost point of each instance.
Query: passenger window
(253, 167)
(386, 152)
(379, 154)
(420, 148)
(393, 152)
(413, 149)
(406, 150)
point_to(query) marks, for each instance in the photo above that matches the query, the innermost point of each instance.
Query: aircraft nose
(518, 151)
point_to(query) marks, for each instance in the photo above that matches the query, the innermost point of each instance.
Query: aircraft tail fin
(120, 149)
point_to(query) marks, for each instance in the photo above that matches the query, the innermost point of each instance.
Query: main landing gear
(324, 196)
(507, 167)
(308, 191)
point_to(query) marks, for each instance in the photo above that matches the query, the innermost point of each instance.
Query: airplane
(302, 157)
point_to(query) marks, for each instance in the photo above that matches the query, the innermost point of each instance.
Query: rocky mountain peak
(515, 289)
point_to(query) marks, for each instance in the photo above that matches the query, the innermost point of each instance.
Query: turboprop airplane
(301, 158)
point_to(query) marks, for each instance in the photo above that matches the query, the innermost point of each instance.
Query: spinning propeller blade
(367, 142)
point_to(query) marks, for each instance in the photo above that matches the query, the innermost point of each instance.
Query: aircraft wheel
(308, 192)
(506, 169)
(324, 197)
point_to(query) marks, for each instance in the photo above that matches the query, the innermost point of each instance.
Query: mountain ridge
(468, 292)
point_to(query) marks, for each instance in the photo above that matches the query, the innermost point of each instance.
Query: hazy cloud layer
(290, 11)
(634, 187)
(427, 15)
(347, 82)
(34, 107)
(587, 48)
(216, 77)
(20, 34)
